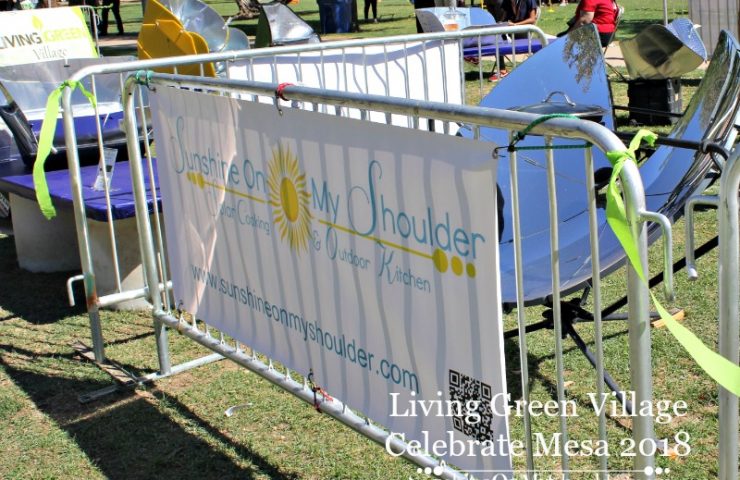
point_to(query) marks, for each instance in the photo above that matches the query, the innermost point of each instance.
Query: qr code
(466, 389)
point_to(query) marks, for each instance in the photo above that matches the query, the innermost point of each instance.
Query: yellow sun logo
(289, 199)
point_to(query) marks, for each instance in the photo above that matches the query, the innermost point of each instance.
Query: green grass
(177, 429)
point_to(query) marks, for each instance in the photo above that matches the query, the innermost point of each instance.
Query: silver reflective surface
(238, 40)
(31, 84)
(684, 29)
(198, 17)
(285, 27)
(575, 65)
(560, 103)
(671, 175)
(664, 52)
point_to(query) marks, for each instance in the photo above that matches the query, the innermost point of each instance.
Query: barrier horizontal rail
(301, 390)
(599, 136)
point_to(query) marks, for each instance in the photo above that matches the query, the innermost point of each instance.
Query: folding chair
(430, 20)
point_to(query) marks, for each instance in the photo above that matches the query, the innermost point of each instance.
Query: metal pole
(729, 328)
(148, 257)
(136, 65)
(665, 12)
(596, 289)
(557, 316)
(521, 314)
(78, 207)
(641, 371)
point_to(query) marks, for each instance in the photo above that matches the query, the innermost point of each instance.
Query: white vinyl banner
(44, 34)
(420, 71)
(364, 254)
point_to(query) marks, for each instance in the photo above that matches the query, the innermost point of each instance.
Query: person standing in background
(114, 5)
(374, 5)
(513, 12)
(602, 13)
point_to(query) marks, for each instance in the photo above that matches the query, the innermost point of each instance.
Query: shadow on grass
(38, 298)
(130, 436)
(126, 435)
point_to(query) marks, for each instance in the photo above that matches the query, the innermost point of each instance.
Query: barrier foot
(125, 380)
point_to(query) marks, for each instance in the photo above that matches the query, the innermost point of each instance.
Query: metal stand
(125, 380)
(572, 312)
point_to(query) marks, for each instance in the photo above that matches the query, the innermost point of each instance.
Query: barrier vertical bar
(78, 207)
(556, 310)
(148, 259)
(596, 292)
(521, 314)
(641, 371)
(729, 328)
(106, 189)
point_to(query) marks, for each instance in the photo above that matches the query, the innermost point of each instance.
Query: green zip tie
(552, 147)
(543, 118)
(722, 370)
(520, 135)
(46, 137)
(147, 74)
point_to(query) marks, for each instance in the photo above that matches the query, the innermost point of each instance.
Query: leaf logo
(37, 23)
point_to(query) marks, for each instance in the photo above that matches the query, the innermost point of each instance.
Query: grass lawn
(177, 429)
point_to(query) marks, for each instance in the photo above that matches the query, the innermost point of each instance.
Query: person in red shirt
(602, 13)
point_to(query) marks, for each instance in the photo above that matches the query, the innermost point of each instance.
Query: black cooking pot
(548, 106)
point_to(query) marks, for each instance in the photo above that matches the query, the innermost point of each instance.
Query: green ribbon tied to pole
(46, 138)
(722, 370)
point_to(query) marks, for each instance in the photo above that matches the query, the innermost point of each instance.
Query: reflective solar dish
(279, 25)
(664, 52)
(198, 17)
(574, 64)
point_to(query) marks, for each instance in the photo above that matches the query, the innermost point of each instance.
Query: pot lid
(566, 105)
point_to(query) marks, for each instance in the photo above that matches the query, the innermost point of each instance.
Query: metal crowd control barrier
(152, 243)
(94, 20)
(600, 137)
(729, 322)
(727, 205)
(247, 58)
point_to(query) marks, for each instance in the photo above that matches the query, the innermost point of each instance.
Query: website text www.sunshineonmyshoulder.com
(311, 331)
